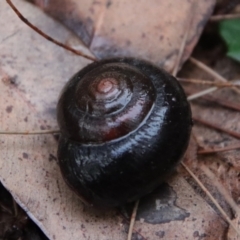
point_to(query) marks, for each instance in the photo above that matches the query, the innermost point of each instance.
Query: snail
(125, 125)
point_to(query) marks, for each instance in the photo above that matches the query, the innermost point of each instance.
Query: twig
(184, 41)
(29, 132)
(209, 90)
(210, 71)
(132, 221)
(211, 197)
(47, 36)
(206, 82)
(222, 102)
(5, 209)
(180, 53)
(224, 17)
(221, 189)
(196, 139)
(216, 150)
(15, 207)
(213, 125)
(201, 93)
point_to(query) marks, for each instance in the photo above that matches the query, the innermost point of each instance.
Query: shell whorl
(115, 97)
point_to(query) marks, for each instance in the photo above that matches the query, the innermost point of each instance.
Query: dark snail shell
(125, 124)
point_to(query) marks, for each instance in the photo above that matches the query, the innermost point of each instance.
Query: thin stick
(184, 41)
(212, 198)
(210, 71)
(201, 94)
(29, 132)
(205, 92)
(207, 82)
(221, 189)
(6, 209)
(209, 90)
(132, 221)
(180, 53)
(224, 103)
(196, 139)
(224, 17)
(47, 36)
(213, 125)
(216, 150)
(15, 207)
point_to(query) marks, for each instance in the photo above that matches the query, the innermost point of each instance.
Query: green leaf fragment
(230, 32)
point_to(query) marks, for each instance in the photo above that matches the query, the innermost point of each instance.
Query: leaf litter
(201, 136)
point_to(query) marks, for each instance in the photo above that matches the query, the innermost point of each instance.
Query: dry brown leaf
(231, 235)
(152, 30)
(32, 73)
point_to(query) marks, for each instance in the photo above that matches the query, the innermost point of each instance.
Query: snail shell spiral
(125, 124)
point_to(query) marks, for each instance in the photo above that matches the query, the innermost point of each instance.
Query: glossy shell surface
(125, 125)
